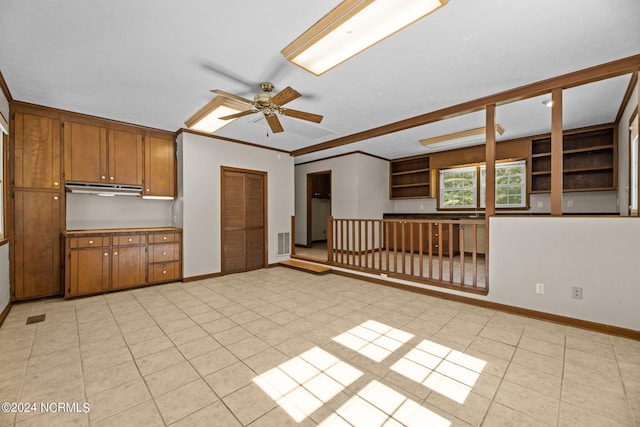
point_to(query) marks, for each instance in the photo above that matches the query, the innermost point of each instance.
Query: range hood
(107, 190)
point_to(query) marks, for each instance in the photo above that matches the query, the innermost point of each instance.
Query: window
(511, 189)
(460, 188)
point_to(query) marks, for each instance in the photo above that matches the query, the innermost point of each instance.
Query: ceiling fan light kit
(352, 27)
(207, 119)
(465, 138)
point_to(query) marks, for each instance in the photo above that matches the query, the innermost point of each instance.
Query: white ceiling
(153, 63)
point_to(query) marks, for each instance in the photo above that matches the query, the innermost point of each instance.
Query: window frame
(442, 190)
(480, 186)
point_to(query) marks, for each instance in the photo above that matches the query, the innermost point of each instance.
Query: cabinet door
(36, 152)
(87, 271)
(36, 261)
(159, 167)
(125, 158)
(129, 265)
(85, 153)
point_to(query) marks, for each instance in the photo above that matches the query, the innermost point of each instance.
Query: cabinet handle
(111, 178)
(91, 242)
(164, 271)
(131, 240)
(164, 238)
(115, 253)
(436, 246)
(148, 190)
(56, 183)
(55, 197)
(436, 234)
(106, 254)
(164, 253)
(103, 177)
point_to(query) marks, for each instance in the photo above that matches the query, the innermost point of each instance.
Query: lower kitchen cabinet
(99, 261)
(87, 271)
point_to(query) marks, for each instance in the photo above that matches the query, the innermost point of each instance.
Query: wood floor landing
(305, 266)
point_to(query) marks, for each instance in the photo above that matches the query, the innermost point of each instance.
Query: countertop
(121, 230)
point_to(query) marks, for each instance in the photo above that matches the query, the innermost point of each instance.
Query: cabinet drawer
(163, 252)
(163, 272)
(88, 242)
(164, 237)
(129, 239)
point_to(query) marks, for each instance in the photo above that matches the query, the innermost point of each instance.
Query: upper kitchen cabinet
(125, 157)
(36, 152)
(91, 154)
(85, 153)
(159, 167)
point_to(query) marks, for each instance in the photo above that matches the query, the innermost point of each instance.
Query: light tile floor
(278, 347)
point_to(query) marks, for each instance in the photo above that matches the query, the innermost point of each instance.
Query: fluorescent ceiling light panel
(466, 138)
(350, 28)
(207, 119)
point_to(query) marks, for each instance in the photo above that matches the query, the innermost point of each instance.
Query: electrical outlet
(540, 204)
(576, 292)
(569, 203)
(540, 288)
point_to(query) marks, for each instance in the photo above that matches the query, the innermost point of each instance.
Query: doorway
(243, 207)
(318, 210)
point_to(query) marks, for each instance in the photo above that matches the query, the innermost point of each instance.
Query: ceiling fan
(269, 105)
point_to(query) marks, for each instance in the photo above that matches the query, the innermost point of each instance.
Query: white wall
(200, 159)
(85, 211)
(359, 189)
(597, 254)
(623, 153)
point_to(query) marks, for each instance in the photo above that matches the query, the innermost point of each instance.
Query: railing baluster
(474, 259)
(411, 246)
(430, 236)
(462, 257)
(420, 247)
(404, 228)
(440, 255)
(395, 247)
(450, 252)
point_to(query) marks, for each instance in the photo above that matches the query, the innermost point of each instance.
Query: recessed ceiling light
(350, 28)
(207, 119)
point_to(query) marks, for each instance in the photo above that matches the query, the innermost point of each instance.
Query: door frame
(265, 232)
(310, 198)
(630, 188)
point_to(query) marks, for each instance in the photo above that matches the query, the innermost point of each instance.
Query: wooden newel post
(329, 239)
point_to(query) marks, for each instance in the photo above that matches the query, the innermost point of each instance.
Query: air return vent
(284, 243)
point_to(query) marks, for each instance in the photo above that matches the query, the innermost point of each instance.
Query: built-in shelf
(589, 161)
(409, 178)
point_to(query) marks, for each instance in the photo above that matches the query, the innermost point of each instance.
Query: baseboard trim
(5, 312)
(556, 318)
(276, 264)
(201, 277)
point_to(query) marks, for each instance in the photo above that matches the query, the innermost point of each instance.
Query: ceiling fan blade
(221, 71)
(232, 96)
(310, 117)
(237, 115)
(287, 94)
(274, 123)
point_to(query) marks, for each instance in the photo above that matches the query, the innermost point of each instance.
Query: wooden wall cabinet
(91, 154)
(589, 161)
(36, 249)
(36, 152)
(36, 207)
(321, 186)
(159, 167)
(409, 178)
(107, 260)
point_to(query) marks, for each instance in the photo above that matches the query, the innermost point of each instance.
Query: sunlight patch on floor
(446, 371)
(373, 339)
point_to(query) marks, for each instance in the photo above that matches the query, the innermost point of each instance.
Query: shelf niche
(409, 178)
(589, 161)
